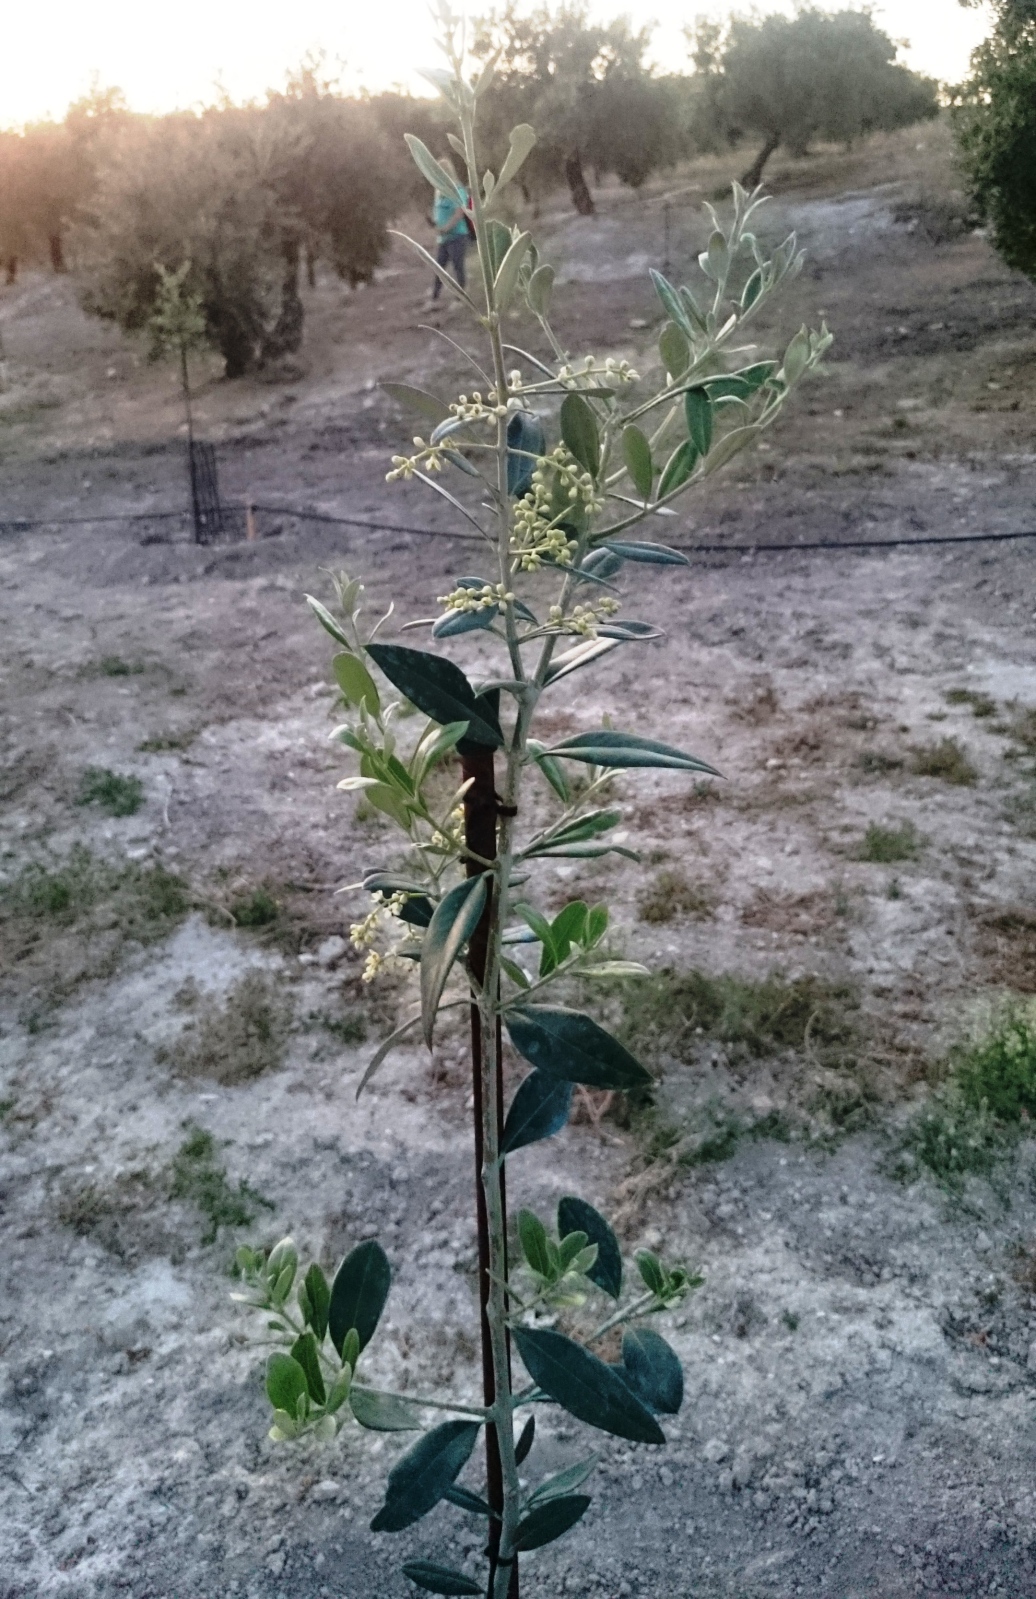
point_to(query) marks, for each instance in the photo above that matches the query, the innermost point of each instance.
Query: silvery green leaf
(541, 287)
(327, 621)
(448, 281)
(385, 1049)
(380, 1412)
(429, 167)
(615, 969)
(456, 917)
(581, 655)
(455, 622)
(671, 302)
(522, 140)
(427, 405)
(796, 357)
(507, 277)
(563, 1482)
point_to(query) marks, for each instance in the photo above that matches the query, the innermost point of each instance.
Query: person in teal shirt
(451, 225)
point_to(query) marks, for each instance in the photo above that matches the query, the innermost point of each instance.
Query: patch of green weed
(145, 901)
(115, 666)
(238, 1040)
(981, 704)
(198, 1177)
(884, 844)
(946, 761)
(256, 909)
(675, 1010)
(878, 763)
(163, 742)
(118, 795)
(347, 1030)
(955, 1140)
(671, 895)
(790, 1320)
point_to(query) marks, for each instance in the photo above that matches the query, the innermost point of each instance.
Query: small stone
(1030, 1359)
(725, 1482)
(331, 950)
(325, 1490)
(715, 1451)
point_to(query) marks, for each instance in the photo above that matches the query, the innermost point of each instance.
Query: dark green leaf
(455, 919)
(567, 928)
(585, 1386)
(419, 1480)
(575, 1215)
(464, 1499)
(533, 1237)
(550, 769)
(579, 431)
(698, 411)
(565, 1043)
(624, 631)
(285, 1382)
(318, 1296)
(550, 1521)
(636, 452)
(456, 622)
(653, 554)
(671, 302)
(692, 308)
(755, 376)
(752, 289)
(439, 689)
(678, 468)
(358, 1293)
(586, 852)
(382, 1412)
(608, 747)
(650, 1268)
(563, 1482)
(439, 1579)
(652, 1369)
(426, 405)
(417, 910)
(538, 1110)
(587, 826)
(524, 435)
(601, 563)
(304, 1350)
(674, 350)
(525, 1442)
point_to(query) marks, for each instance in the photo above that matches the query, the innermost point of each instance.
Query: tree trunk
(10, 270)
(57, 253)
(754, 176)
(311, 266)
(480, 813)
(582, 199)
(237, 349)
(286, 335)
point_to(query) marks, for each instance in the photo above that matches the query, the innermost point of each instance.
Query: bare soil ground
(182, 1026)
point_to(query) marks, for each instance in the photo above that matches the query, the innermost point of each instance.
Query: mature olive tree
(585, 87)
(817, 75)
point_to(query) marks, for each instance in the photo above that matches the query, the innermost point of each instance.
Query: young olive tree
(565, 459)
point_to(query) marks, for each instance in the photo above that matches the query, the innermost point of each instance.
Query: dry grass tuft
(237, 1041)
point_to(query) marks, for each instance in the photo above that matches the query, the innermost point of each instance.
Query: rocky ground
(183, 1024)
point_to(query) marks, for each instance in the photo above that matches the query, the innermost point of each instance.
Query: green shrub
(257, 909)
(1000, 1071)
(198, 1177)
(119, 796)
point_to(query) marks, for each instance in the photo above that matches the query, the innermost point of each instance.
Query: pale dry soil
(861, 1374)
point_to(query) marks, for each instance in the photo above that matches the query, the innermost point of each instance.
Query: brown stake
(480, 813)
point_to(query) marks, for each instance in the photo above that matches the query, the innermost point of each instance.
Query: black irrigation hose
(21, 525)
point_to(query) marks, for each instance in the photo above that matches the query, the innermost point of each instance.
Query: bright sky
(164, 57)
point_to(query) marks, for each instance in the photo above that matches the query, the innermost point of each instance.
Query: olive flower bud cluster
(582, 619)
(427, 455)
(362, 934)
(535, 534)
(487, 598)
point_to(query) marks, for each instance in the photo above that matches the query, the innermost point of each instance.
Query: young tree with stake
(567, 458)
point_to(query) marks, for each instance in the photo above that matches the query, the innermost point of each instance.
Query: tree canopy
(994, 117)
(790, 80)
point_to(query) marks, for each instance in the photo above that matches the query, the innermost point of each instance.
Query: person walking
(453, 229)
